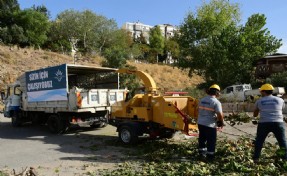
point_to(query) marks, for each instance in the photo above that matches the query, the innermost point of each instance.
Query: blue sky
(154, 12)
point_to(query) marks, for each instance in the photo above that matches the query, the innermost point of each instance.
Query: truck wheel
(56, 124)
(16, 119)
(167, 133)
(127, 135)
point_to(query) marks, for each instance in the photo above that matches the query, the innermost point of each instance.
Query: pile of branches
(238, 118)
(233, 157)
(25, 172)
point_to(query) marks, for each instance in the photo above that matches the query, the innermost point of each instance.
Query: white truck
(242, 92)
(62, 96)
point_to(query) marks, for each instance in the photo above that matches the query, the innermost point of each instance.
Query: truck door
(11, 100)
(239, 93)
(228, 93)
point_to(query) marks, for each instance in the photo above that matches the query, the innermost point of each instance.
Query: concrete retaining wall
(238, 107)
(242, 106)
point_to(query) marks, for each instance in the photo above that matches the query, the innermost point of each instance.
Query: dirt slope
(168, 78)
(15, 61)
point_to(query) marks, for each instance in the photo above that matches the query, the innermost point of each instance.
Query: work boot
(210, 157)
(255, 161)
(202, 151)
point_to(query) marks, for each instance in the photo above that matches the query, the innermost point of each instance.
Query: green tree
(93, 32)
(8, 11)
(140, 48)
(115, 57)
(8, 8)
(57, 41)
(63, 29)
(35, 25)
(118, 50)
(17, 35)
(156, 40)
(279, 79)
(214, 44)
(43, 9)
(172, 47)
(96, 31)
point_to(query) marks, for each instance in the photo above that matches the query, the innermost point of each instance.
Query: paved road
(79, 152)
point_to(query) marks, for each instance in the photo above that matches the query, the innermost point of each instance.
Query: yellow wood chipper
(153, 114)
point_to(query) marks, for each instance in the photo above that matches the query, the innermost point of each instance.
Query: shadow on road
(82, 143)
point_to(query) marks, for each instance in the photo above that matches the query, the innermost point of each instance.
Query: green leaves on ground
(181, 158)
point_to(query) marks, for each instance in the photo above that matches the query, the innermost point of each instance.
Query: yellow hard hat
(215, 86)
(266, 87)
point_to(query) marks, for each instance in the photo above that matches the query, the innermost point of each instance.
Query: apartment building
(137, 28)
(167, 30)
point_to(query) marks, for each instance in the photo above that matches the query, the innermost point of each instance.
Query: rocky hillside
(15, 61)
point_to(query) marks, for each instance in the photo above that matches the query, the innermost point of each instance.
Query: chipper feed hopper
(153, 114)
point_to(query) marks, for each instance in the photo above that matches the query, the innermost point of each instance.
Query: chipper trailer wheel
(128, 135)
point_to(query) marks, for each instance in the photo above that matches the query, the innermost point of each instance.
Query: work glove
(254, 122)
(220, 123)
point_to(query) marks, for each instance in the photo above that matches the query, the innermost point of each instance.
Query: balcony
(265, 70)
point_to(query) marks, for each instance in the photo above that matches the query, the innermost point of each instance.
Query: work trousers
(207, 139)
(263, 129)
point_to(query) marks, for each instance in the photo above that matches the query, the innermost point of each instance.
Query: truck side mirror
(2, 95)
(128, 96)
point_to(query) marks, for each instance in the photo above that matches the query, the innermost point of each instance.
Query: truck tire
(16, 119)
(128, 135)
(56, 124)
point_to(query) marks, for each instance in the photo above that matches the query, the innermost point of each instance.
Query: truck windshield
(229, 89)
(239, 88)
(247, 87)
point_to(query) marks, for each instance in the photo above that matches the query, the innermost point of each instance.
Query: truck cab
(11, 99)
(243, 92)
(235, 92)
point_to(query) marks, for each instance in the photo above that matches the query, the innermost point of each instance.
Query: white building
(167, 30)
(136, 29)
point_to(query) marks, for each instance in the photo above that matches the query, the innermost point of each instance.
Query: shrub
(279, 79)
